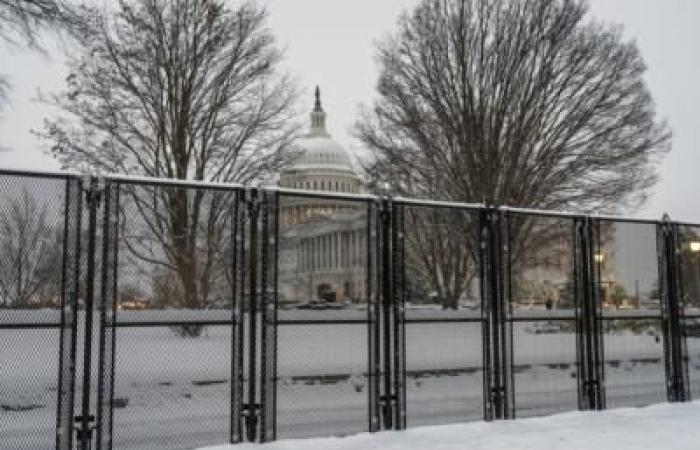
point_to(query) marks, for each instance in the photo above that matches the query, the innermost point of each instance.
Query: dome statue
(322, 241)
(322, 163)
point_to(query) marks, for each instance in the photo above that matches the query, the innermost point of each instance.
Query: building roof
(317, 149)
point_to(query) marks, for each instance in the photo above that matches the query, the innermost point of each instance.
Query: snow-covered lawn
(174, 393)
(658, 427)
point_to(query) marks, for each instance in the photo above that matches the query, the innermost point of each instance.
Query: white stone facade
(323, 243)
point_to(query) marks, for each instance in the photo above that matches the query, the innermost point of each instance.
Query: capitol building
(323, 242)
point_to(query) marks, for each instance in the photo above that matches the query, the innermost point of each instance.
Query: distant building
(323, 243)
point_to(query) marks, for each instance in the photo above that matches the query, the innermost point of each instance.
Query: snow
(658, 427)
(178, 389)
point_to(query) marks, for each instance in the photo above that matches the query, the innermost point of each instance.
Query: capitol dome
(322, 246)
(322, 163)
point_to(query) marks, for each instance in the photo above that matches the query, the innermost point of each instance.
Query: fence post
(497, 354)
(374, 306)
(107, 309)
(591, 395)
(252, 408)
(670, 291)
(70, 289)
(398, 301)
(388, 399)
(268, 308)
(86, 419)
(236, 434)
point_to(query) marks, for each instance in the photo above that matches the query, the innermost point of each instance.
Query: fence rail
(144, 313)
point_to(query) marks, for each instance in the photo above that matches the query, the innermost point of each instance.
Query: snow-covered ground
(174, 392)
(658, 427)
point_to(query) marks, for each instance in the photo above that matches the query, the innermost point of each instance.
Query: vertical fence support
(86, 418)
(390, 341)
(675, 353)
(497, 329)
(591, 394)
(388, 398)
(237, 318)
(252, 408)
(108, 303)
(262, 307)
(373, 316)
(70, 287)
(268, 307)
(399, 311)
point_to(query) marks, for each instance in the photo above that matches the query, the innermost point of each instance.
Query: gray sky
(331, 43)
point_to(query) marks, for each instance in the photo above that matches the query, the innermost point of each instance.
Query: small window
(336, 185)
(307, 185)
(323, 185)
(315, 186)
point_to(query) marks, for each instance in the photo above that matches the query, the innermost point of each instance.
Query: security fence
(144, 313)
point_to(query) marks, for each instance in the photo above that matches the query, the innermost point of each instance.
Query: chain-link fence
(138, 313)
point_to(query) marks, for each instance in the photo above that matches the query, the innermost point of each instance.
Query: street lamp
(599, 258)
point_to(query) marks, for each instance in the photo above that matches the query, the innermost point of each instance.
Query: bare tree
(30, 266)
(439, 256)
(526, 103)
(21, 20)
(24, 19)
(181, 89)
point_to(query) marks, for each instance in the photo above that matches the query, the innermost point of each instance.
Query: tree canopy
(528, 103)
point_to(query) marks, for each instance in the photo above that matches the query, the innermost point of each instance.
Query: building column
(337, 251)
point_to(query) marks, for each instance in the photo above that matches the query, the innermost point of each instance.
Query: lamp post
(599, 258)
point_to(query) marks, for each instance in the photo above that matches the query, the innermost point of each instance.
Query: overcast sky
(331, 43)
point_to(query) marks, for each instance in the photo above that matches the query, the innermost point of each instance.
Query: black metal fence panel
(174, 318)
(39, 231)
(543, 301)
(324, 303)
(442, 316)
(628, 283)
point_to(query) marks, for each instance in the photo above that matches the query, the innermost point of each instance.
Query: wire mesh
(172, 364)
(171, 392)
(627, 262)
(543, 300)
(692, 333)
(322, 335)
(174, 319)
(444, 373)
(37, 234)
(443, 342)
